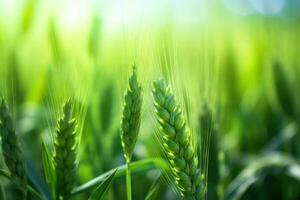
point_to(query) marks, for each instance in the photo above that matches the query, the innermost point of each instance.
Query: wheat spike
(65, 152)
(131, 118)
(11, 150)
(176, 138)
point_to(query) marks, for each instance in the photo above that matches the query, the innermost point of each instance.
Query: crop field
(149, 100)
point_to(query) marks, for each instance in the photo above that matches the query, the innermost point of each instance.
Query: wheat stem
(128, 181)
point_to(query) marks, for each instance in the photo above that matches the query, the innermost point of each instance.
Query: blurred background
(234, 66)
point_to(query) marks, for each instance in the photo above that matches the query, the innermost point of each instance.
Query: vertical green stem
(128, 181)
(2, 192)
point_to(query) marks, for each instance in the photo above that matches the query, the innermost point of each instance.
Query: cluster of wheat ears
(60, 171)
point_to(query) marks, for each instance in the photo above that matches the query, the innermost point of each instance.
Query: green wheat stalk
(11, 150)
(65, 152)
(130, 123)
(176, 138)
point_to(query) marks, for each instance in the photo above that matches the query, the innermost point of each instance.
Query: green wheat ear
(65, 152)
(176, 138)
(11, 150)
(131, 118)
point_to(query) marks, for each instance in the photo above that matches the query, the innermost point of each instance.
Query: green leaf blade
(154, 189)
(101, 190)
(136, 167)
(6, 174)
(48, 168)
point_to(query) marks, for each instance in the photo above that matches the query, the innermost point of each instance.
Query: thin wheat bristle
(11, 150)
(131, 118)
(176, 138)
(65, 152)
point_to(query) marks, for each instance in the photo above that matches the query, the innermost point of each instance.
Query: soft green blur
(241, 64)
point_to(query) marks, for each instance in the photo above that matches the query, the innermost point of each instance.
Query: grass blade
(101, 190)
(48, 169)
(27, 16)
(36, 180)
(154, 189)
(138, 166)
(6, 174)
(287, 134)
(258, 169)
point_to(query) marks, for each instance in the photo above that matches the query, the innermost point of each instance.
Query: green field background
(233, 59)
